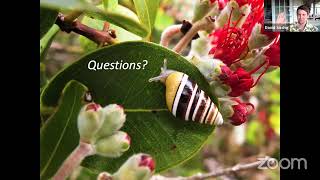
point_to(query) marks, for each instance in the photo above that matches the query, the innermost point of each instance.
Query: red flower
(239, 81)
(242, 2)
(273, 54)
(229, 42)
(147, 161)
(240, 112)
(256, 14)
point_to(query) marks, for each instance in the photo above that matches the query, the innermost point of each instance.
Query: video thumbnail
(292, 15)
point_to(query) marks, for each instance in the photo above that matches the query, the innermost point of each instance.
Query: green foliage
(255, 133)
(163, 20)
(119, 16)
(47, 19)
(147, 11)
(110, 4)
(59, 135)
(46, 41)
(152, 128)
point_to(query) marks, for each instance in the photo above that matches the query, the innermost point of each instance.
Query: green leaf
(122, 35)
(46, 41)
(147, 11)
(110, 4)
(163, 20)
(66, 4)
(59, 135)
(47, 19)
(121, 16)
(152, 128)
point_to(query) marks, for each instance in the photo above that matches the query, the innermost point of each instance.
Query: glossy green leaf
(152, 128)
(59, 135)
(46, 41)
(120, 16)
(47, 19)
(147, 11)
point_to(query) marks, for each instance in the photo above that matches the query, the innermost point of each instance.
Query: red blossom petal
(239, 81)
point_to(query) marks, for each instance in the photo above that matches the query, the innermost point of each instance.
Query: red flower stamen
(230, 41)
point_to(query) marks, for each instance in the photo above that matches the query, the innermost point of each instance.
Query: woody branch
(101, 37)
(220, 172)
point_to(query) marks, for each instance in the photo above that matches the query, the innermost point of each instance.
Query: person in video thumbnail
(302, 25)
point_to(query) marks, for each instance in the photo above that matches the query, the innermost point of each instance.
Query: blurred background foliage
(228, 145)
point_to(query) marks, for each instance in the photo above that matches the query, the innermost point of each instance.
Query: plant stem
(75, 158)
(220, 172)
(206, 23)
(168, 34)
(101, 37)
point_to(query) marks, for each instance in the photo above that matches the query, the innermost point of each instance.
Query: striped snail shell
(185, 99)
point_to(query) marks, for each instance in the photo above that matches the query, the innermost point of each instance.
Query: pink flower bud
(128, 138)
(93, 106)
(138, 167)
(147, 161)
(240, 112)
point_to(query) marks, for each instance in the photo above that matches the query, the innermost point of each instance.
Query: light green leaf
(59, 135)
(110, 4)
(152, 128)
(46, 41)
(147, 11)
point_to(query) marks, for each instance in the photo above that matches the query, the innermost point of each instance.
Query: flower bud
(114, 145)
(89, 121)
(210, 68)
(113, 120)
(235, 110)
(104, 176)
(137, 167)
